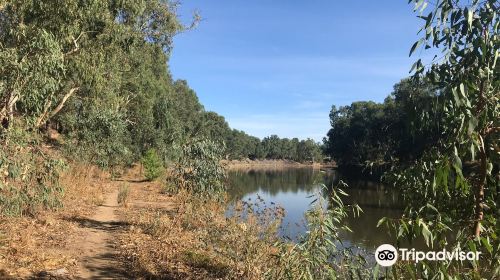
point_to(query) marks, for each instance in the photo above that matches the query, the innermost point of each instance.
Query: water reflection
(292, 189)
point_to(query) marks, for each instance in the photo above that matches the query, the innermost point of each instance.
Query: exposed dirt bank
(271, 164)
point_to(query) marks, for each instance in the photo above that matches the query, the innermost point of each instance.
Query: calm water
(292, 189)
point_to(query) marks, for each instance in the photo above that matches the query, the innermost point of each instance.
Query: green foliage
(307, 150)
(96, 72)
(273, 147)
(199, 169)
(29, 176)
(100, 137)
(452, 189)
(152, 164)
(372, 132)
(320, 253)
(240, 145)
(355, 134)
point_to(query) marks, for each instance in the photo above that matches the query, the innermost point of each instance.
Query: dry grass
(195, 240)
(33, 244)
(85, 187)
(270, 164)
(123, 195)
(170, 237)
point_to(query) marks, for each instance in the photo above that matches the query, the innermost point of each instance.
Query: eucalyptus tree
(272, 146)
(454, 185)
(241, 145)
(96, 70)
(308, 150)
(214, 126)
(51, 51)
(407, 134)
(468, 36)
(360, 133)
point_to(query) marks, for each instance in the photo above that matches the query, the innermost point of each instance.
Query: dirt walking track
(99, 256)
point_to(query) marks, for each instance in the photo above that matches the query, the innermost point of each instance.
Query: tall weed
(123, 195)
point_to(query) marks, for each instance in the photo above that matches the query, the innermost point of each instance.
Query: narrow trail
(98, 254)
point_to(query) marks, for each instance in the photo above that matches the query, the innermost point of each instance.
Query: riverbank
(272, 164)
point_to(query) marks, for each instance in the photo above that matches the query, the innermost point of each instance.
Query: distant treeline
(399, 129)
(241, 146)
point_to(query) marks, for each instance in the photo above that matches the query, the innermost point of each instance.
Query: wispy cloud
(303, 65)
(310, 104)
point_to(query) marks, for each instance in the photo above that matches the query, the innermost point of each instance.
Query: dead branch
(63, 101)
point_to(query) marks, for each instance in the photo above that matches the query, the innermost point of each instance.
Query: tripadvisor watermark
(387, 255)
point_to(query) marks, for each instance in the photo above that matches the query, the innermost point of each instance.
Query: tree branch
(43, 118)
(63, 101)
(40, 119)
(11, 104)
(75, 42)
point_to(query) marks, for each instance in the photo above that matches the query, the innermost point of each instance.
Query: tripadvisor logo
(387, 255)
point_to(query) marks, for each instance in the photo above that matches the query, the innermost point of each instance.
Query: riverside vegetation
(88, 80)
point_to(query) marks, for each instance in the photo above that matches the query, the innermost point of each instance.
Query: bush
(29, 176)
(199, 169)
(153, 166)
(317, 255)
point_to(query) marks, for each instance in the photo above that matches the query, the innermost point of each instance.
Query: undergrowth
(320, 253)
(197, 241)
(29, 175)
(32, 244)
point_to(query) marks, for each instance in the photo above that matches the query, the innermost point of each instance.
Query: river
(295, 188)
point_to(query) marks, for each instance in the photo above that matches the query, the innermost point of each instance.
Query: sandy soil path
(99, 255)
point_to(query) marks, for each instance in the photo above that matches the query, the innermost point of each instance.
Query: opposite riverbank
(273, 164)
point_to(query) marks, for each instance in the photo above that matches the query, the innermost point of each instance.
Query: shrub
(317, 255)
(123, 195)
(199, 169)
(29, 176)
(153, 166)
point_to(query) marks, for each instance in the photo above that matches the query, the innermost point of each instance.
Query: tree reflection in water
(292, 188)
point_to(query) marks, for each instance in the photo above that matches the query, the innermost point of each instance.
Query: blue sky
(277, 67)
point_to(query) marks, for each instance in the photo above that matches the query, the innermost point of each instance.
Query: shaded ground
(99, 258)
(80, 240)
(99, 243)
